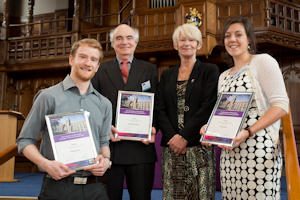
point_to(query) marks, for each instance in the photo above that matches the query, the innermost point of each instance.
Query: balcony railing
(41, 27)
(45, 39)
(22, 49)
(284, 16)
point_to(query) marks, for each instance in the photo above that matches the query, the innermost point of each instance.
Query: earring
(249, 47)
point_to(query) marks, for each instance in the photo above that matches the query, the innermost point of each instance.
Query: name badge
(146, 86)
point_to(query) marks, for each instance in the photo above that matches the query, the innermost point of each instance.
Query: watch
(110, 163)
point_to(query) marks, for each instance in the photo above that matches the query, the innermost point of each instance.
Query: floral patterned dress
(252, 170)
(190, 176)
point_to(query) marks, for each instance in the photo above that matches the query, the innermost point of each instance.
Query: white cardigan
(268, 85)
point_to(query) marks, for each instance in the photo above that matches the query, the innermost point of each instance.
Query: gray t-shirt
(62, 98)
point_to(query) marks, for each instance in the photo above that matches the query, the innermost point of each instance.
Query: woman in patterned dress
(252, 168)
(186, 96)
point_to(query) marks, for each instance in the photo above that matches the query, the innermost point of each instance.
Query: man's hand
(57, 170)
(178, 144)
(152, 140)
(112, 134)
(100, 168)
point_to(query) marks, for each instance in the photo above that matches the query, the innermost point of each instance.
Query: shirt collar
(120, 60)
(68, 83)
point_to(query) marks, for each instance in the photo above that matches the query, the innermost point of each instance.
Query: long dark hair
(248, 28)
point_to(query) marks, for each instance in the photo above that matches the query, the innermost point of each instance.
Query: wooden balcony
(275, 21)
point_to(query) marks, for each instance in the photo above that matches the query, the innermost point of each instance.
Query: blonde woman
(186, 96)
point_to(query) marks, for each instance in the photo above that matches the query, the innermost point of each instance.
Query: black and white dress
(252, 170)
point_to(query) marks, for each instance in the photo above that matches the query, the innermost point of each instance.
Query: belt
(82, 180)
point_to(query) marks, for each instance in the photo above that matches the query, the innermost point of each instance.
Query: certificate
(71, 139)
(227, 118)
(134, 115)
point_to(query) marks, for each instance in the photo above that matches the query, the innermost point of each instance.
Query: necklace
(237, 70)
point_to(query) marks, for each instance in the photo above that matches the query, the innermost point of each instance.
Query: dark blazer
(108, 81)
(200, 98)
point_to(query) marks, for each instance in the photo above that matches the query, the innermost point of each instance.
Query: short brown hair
(244, 21)
(90, 42)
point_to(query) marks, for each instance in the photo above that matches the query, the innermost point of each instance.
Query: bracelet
(250, 132)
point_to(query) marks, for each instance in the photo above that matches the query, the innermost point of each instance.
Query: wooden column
(8, 132)
(5, 23)
(4, 32)
(76, 20)
(30, 17)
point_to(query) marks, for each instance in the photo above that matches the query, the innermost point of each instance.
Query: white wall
(49, 6)
(61, 4)
(1, 6)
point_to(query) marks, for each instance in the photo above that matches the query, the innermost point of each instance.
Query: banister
(8, 153)
(291, 159)
(12, 151)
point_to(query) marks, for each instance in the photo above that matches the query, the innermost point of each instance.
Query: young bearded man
(74, 93)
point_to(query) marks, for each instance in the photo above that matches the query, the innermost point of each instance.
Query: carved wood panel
(21, 90)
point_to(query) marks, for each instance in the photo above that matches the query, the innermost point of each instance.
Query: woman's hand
(202, 132)
(237, 140)
(178, 144)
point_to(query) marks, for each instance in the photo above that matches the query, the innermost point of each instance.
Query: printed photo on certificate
(134, 115)
(227, 117)
(71, 139)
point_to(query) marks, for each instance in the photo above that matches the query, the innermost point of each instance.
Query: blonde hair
(188, 30)
(91, 43)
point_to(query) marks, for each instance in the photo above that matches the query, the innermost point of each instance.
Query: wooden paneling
(250, 8)
(155, 24)
(22, 88)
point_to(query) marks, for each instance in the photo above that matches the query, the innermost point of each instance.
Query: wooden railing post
(76, 21)
(291, 159)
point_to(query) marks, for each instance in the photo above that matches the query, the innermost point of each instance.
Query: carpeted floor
(30, 184)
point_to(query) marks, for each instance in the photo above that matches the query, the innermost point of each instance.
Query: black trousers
(139, 180)
(67, 190)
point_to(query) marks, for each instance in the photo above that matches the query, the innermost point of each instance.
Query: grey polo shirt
(61, 98)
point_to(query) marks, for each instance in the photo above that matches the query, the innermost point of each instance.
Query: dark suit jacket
(200, 98)
(108, 81)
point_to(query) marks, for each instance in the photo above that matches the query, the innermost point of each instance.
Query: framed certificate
(227, 118)
(71, 139)
(134, 115)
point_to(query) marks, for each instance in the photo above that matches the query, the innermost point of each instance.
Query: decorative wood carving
(278, 38)
(291, 72)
